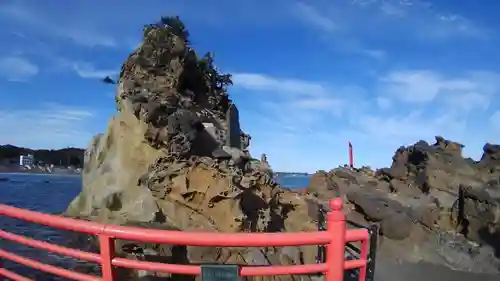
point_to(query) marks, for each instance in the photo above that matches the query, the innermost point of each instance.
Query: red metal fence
(335, 237)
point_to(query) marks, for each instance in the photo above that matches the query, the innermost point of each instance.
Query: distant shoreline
(17, 170)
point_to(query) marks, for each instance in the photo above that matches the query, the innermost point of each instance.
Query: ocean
(52, 194)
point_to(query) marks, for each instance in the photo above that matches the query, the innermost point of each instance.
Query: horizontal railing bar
(156, 266)
(51, 247)
(181, 237)
(13, 276)
(196, 269)
(52, 220)
(218, 239)
(206, 239)
(283, 270)
(356, 235)
(48, 268)
(352, 264)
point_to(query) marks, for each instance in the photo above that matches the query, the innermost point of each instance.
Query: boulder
(322, 185)
(430, 191)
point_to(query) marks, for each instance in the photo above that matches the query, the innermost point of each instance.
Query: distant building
(26, 160)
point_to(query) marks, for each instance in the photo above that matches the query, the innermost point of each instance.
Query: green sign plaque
(219, 272)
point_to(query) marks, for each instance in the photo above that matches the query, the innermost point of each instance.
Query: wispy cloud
(494, 121)
(291, 99)
(87, 70)
(78, 33)
(358, 26)
(422, 17)
(83, 69)
(17, 69)
(310, 15)
(319, 118)
(420, 86)
(263, 82)
(48, 126)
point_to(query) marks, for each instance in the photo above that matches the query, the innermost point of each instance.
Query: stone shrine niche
(233, 138)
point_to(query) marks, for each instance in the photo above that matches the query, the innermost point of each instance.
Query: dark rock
(219, 153)
(345, 174)
(233, 138)
(322, 185)
(375, 205)
(396, 226)
(421, 190)
(397, 185)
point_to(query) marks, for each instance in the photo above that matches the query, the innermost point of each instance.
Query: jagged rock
(322, 185)
(396, 226)
(375, 205)
(174, 157)
(418, 199)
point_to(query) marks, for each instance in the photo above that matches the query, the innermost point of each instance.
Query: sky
(309, 76)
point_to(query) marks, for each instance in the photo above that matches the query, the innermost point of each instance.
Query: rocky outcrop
(430, 198)
(174, 157)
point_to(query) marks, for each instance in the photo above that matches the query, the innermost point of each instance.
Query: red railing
(335, 237)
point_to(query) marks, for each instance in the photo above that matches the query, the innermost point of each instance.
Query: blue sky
(308, 76)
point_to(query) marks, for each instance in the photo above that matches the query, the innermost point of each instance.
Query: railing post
(336, 226)
(107, 249)
(372, 254)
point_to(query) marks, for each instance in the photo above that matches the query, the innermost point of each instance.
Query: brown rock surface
(419, 207)
(174, 157)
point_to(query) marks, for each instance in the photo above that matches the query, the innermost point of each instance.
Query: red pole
(107, 248)
(351, 157)
(336, 227)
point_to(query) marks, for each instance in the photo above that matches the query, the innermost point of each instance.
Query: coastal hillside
(9, 155)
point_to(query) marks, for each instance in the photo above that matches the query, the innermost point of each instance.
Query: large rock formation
(174, 157)
(431, 204)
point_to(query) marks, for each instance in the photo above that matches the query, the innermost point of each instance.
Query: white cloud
(87, 70)
(297, 118)
(48, 126)
(359, 26)
(80, 34)
(289, 86)
(17, 69)
(466, 102)
(334, 29)
(454, 24)
(83, 69)
(374, 53)
(311, 16)
(420, 86)
(495, 120)
(399, 129)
